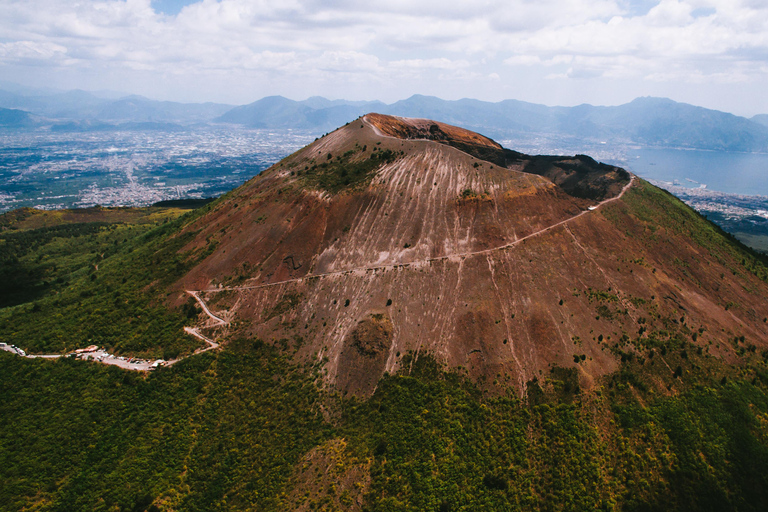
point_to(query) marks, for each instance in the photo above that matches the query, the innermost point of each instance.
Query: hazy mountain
(647, 121)
(269, 112)
(318, 102)
(315, 113)
(760, 118)
(663, 122)
(74, 104)
(80, 105)
(140, 109)
(13, 118)
(10, 99)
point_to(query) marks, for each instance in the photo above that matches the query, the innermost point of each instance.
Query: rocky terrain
(402, 315)
(392, 236)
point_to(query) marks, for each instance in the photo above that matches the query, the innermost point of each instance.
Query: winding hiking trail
(103, 357)
(219, 321)
(194, 331)
(414, 263)
(140, 365)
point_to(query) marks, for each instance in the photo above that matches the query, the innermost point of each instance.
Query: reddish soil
(506, 315)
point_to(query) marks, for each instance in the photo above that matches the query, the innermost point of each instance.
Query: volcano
(391, 238)
(402, 315)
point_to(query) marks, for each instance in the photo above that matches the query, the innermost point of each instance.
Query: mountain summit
(402, 315)
(393, 237)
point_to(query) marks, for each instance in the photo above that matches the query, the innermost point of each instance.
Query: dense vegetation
(70, 285)
(227, 431)
(439, 445)
(24, 278)
(211, 432)
(246, 428)
(351, 169)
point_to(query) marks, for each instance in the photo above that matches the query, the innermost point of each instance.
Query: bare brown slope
(579, 176)
(499, 315)
(430, 200)
(410, 128)
(420, 256)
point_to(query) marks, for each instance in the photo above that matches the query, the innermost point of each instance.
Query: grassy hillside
(681, 425)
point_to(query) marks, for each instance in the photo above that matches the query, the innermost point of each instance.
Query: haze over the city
(557, 52)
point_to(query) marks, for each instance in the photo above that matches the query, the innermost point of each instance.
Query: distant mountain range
(78, 106)
(14, 118)
(646, 121)
(761, 118)
(312, 114)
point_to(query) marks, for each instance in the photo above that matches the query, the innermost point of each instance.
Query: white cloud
(525, 16)
(440, 63)
(666, 43)
(523, 60)
(30, 50)
(347, 62)
(670, 13)
(398, 41)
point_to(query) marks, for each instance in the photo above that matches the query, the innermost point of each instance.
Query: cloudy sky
(712, 53)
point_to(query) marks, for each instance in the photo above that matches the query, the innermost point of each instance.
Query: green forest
(248, 428)
(227, 431)
(66, 286)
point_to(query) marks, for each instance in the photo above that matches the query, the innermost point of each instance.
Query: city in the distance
(74, 149)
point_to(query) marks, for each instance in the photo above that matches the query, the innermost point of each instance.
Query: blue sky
(170, 7)
(712, 53)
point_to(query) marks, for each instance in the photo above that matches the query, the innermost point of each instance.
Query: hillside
(415, 318)
(761, 119)
(13, 118)
(504, 274)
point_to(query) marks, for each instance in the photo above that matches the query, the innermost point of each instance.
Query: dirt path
(20, 352)
(194, 331)
(99, 356)
(219, 321)
(417, 262)
(141, 365)
(103, 357)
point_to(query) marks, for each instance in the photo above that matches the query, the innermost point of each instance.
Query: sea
(722, 171)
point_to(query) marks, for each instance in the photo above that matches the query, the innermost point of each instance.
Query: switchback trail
(105, 358)
(219, 321)
(101, 356)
